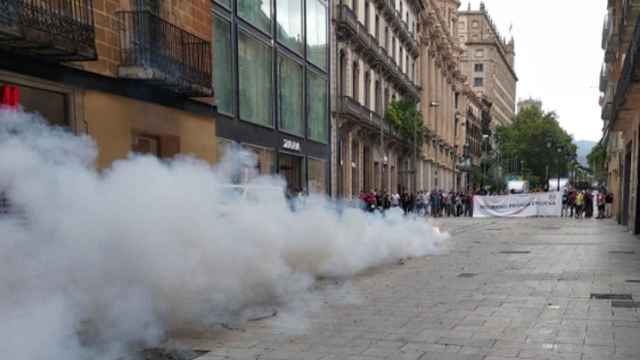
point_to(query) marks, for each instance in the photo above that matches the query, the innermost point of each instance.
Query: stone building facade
(113, 69)
(441, 102)
(488, 62)
(469, 142)
(620, 103)
(375, 61)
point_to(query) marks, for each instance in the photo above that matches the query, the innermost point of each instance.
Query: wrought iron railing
(155, 50)
(348, 106)
(59, 30)
(629, 70)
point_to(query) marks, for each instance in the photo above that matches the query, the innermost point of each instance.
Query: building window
(401, 59)
(255, 80)
(366, 15)
(317, 100)
(393, 48)
(401, 10)
(367, 86)
(478, 67)
(317, 33)
(223, 70)
(289, 29)
(386, 39)
(377, 29)
(145, 144)
(343, 73)
(292, 170)
(478, 82)
(256, 12)
(51, 105)
(355, 81)
(290, 96)
(378, 97)
(166, 146)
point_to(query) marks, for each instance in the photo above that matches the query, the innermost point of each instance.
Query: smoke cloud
(93, 264)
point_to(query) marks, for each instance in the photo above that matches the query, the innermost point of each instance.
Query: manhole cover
(171, 354)
(635, 281)
(611, 296)
(467, 275)
(625, 304)
(622, 252)
(515, 252)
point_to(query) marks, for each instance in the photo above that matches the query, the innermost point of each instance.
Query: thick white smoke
(92, 264)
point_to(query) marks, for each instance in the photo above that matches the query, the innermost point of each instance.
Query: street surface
(470, 301)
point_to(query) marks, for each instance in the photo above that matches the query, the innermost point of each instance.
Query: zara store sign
(290, 144)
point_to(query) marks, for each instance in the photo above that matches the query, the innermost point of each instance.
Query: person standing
(579, 204)
(435, 203)
(608, 200)
(601, 204)
(588, 204)
(565, 203)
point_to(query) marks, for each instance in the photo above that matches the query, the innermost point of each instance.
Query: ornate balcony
(348, 27)
(394, 17)
(53, 30)
(161, 53)
(360, 115)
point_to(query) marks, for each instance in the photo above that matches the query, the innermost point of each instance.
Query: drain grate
(611, 296)
(171, 354)
(515, 252)
(635, 281)
(467, 275)
(625, 304)
(622, 252)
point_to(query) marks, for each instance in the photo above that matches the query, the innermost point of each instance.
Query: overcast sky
(558, 56)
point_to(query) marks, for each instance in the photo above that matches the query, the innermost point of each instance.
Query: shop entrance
(290, 167)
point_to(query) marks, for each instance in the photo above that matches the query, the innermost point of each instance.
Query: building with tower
(488, 62)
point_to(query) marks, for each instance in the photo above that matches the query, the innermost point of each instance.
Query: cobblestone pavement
(500, 289)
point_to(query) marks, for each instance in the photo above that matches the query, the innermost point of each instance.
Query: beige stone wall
(112, 120)
(484, 45)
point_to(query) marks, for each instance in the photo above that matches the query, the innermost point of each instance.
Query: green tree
(536, 137)
(597, 162)
(403, 115)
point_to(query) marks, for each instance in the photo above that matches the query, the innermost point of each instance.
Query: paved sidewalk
(500, 289)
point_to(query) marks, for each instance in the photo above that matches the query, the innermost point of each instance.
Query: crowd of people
(435, 203)
(582, 203)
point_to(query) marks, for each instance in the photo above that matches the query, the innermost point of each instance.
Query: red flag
(10, 97)
(6, 94)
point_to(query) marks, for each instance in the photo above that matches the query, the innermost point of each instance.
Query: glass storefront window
(223, 69)
(290, 167)
(289, 24)
(316, 175)
(317, 117)
(317, 33)
(257, 12)
(256, 91)
(290, 95)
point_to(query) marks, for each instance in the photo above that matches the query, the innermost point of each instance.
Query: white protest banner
(518, 205)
